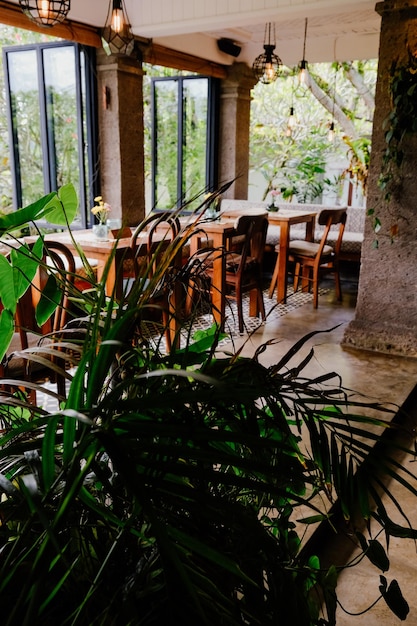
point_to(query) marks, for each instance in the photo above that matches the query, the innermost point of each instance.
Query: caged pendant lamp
(46, 12)
(116, 35)
(267, 66)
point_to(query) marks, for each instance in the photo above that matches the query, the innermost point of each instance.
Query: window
(183, 139)
(50, 94)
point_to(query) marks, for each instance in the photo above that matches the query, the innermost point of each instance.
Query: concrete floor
(379, 377)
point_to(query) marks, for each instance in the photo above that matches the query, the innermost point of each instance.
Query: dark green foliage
(175, 488)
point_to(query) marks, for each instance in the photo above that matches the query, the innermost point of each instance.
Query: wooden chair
(314, 259)
(37, 353)
(243, 264)
(155, 270)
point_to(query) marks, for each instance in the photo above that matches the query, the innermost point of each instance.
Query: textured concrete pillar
(121, 136)
(386, 312)
(235, 99)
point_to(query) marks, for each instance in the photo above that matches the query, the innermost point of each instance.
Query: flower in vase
(101, 210)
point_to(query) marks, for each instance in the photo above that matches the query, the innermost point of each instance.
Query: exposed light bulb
(291, 123)
(269, 71)
(44, 9)
(117, 20)
(303, 76)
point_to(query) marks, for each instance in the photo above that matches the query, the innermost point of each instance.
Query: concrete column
(121, 136)
(386, 312)
(235, 99)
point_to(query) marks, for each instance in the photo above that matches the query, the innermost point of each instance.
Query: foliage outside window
(179, 137)
(51, 140)
(297, 163)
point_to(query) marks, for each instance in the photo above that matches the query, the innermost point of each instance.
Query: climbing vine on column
(400, 122)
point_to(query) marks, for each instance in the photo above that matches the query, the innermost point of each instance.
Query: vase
(101, 232)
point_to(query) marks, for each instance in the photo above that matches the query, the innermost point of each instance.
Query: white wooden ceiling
(337, 29)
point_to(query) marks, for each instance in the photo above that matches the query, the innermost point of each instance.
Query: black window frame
(87, 141)
(212, 135)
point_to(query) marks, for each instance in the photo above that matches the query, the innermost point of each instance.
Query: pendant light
(46, 12)
(331, 133)
(117, 36)
(303, 66)
(267, 66)
(292, 120)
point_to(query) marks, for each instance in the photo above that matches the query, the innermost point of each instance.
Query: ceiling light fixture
(303, 66)
(331, 133)
(117, 36)
(46, 12)
(267, 66)
(292, 120)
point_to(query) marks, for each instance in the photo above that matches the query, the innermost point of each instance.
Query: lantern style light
(46, 12)
(116, 35)
(267, 66)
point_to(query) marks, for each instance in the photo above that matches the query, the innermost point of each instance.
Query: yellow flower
(101, 210)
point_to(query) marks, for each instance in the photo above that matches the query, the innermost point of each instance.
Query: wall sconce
(303, 66)
(116, 35)
(267, 65)
(46, 12)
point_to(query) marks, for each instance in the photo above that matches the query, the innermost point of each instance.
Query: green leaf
(64, 211)
(394, 598)
(375, 552)
(49, 300)
(25, 262)
(7, 291)
(48, 453)
(6, 331)
(19, 218)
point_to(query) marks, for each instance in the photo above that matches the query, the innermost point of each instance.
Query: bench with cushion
(352, 238)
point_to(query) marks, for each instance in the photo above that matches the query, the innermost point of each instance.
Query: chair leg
(296, 276)
(315, 289)
(239, 308)
(338, 286)
(274, 279)
(261, 305)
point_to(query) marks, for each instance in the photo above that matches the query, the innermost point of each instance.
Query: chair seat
(308, 248)
(233, 260)
(243, 264)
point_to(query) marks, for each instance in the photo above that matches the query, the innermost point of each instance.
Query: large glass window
(183, 139)
(49, 91)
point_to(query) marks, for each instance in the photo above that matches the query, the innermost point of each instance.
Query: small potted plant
(101, 210)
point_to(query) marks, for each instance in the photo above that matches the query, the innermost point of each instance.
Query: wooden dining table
(97, 251)
(217, 233)
(286, 219)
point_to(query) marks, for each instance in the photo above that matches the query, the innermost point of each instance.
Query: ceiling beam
(156, 54)
(12, 15)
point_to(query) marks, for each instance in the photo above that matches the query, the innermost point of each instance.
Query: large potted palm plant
(175, 488)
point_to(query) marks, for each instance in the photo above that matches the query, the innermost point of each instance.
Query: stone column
(121, 136)
(386, 312)
(235, 99)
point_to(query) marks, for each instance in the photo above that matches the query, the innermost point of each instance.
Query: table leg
(218, 282)
(282, 282)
